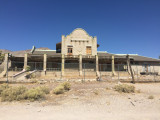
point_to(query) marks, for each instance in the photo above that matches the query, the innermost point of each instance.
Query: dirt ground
(88, 101)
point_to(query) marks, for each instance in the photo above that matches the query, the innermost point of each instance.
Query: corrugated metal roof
(135, 57)
(143, 58)
(48, 52)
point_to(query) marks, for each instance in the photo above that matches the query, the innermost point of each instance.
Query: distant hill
(21, 52)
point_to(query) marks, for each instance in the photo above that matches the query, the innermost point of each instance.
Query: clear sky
(121, 26)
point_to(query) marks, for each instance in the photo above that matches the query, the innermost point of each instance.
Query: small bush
(3, 87)
(22, 93)
(13, 93)
(151, 97)
(125, 88)
(59, 90)
(34, 81)
(44, 89)
(138, 91)
(34, 94)
(107, 88)
(33, 76)
(96, 92)
(28, 68)
(66, 85)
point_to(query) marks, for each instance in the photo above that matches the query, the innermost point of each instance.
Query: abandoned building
(75, 56)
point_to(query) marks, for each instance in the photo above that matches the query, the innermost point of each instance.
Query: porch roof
(135, 57)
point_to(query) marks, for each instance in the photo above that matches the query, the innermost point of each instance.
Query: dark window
(69, 50)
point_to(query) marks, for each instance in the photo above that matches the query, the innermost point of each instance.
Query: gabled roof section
(38, 51)
(143, 58)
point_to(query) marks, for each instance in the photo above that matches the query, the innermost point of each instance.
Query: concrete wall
(79, 39)
(140, 68)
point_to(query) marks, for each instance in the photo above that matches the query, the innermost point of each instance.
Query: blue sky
(121, 26)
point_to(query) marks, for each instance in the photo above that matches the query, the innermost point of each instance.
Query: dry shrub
(22, 93)
(107, 88)
(125, 88)
(66, 85)
(44, 89)
(28, 68)
(34, 94)
(138, 91)
(3, 87)
(34, 81)
(59, 90)
(33, 76)
(13, 93)
(151, 97)
(96, 92)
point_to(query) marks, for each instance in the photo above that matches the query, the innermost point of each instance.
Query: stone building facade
(77, 55)
(79, 43)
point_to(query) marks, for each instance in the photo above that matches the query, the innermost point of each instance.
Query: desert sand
(89, 101)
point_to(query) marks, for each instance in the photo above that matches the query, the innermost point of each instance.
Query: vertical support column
(6, 62)
(97, 66)
(62, 64)
(130, 68)
(80, 65)
(25, 60)
(45, 62)
(113, 66)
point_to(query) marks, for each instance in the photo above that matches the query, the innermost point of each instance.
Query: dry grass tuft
(3, 87)
(107, 88)
(138, 91)
(151, 97)
(44, 89)
(96, 92)
(125, 88)
(60, 89)
(66, 85)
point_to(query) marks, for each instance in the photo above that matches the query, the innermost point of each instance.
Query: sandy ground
(89, 101)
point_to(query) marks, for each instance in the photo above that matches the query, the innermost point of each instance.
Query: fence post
(62, 64)
(154, 73)
(137, 72)
(84, 73)
(100, 72)
(118, 72)
(35, 65)
(80, 65)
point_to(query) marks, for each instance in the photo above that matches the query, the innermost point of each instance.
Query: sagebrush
(3, 87)
(22, 93)
(60, 89)
(13, 93)
(125, 88)
(66, 85)
(151, 97)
